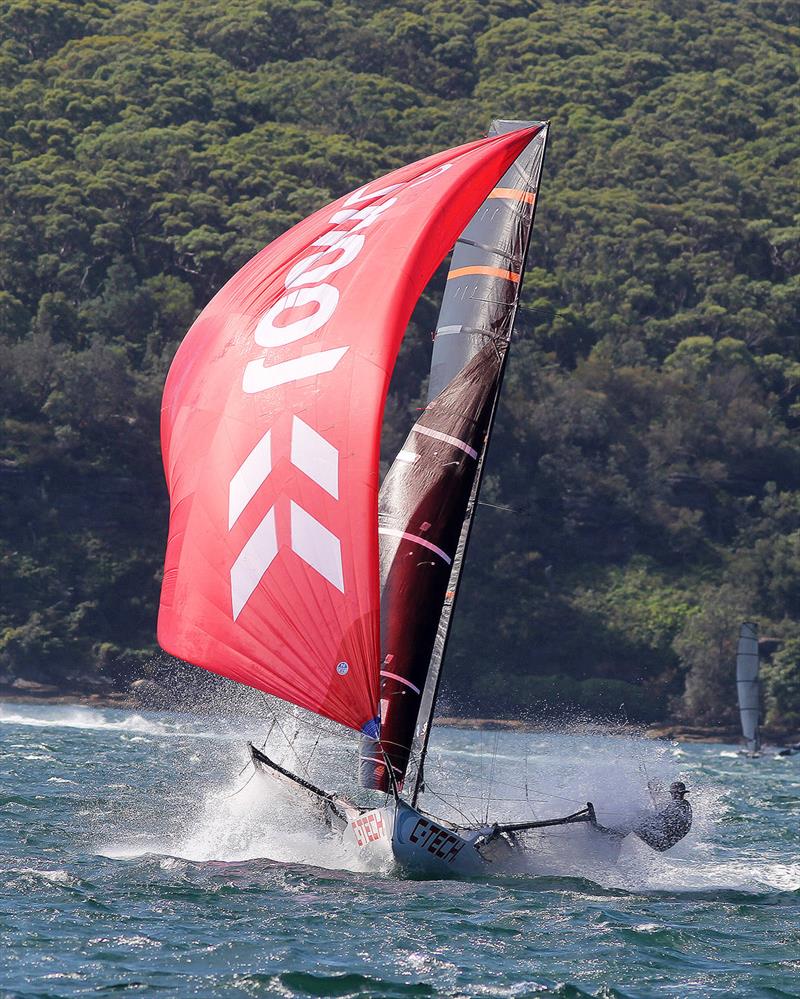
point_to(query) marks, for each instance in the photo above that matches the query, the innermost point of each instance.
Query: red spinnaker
(270, 433)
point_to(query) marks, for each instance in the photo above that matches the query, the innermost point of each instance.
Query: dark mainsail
(428, 499)
(422, 506)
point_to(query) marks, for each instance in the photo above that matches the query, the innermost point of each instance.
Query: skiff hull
(400, 836)
(416, 844)
(395, 834)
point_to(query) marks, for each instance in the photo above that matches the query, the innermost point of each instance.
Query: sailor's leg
(606, 830)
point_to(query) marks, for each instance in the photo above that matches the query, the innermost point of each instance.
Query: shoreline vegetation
(132, 701)
(642, 487)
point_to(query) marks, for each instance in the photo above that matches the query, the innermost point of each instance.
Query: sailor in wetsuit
(669, 823)
(660, 829)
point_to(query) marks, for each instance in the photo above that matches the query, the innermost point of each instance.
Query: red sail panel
(270, 434)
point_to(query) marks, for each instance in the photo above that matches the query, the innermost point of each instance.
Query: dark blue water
(129, 864)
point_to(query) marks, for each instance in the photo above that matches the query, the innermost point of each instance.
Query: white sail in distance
(747, 684)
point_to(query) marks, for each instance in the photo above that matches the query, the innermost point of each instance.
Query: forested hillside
(644, 479)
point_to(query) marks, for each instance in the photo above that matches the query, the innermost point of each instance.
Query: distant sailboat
(287, 569)
(748, 686)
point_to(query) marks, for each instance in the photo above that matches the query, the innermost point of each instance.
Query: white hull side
(394, 834)
(422, 846)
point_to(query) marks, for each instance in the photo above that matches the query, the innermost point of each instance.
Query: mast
(462, 347)
(747, 684)
(428, 499)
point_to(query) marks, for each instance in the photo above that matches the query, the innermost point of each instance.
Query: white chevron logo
(311, 541)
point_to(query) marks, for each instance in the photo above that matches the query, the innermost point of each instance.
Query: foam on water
(244, 816)
(112, 720)
(259, 822)
(616, 773)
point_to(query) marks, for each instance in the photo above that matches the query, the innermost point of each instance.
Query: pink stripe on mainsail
(439, 436)
(401, 679)
(377, 759)
(420, 541)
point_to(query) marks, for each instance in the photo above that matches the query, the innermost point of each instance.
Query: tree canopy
(643, 489)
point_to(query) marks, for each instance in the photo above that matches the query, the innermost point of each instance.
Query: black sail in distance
(428, 498)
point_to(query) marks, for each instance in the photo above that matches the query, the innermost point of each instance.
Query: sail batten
(270, 434)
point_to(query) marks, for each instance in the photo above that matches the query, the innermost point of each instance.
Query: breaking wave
(246, 817)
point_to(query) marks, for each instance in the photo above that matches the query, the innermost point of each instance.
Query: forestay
(270, 433)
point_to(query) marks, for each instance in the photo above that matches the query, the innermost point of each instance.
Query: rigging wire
(649, 784)
(455, 808)
(491, 774)
(532, 793)
(239, 790)
(319, 730)
(311, 754)
(249, 763)
(266, 740)
(276, 721)
(480, 797)
(527, 791)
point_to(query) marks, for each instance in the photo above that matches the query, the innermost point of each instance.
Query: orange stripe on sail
(513, 194)
(480, 269)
